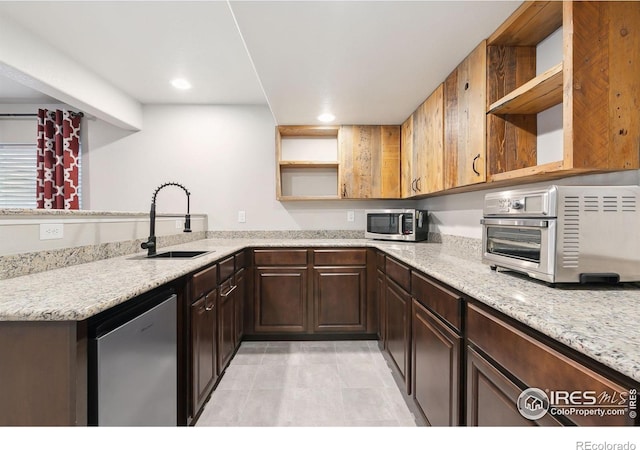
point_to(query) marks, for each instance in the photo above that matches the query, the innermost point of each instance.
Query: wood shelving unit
(597, 83)
(309, 171)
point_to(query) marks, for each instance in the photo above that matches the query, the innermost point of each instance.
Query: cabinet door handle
(213, 304)
(413, 184)
(233, 288)
(419, 184)
(473, 165)
(344, 190)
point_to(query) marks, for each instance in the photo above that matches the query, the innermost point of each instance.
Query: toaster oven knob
(517, 204)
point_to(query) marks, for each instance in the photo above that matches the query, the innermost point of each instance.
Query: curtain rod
(33, 115)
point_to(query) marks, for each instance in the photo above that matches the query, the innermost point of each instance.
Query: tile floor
(310, 383)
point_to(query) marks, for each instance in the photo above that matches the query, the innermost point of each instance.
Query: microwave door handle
(400, 223)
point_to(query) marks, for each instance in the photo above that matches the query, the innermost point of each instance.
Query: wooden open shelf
(528, 171)
(293, 198)
(309, 164)
(529, 25)
(307, 131)
(536, 95)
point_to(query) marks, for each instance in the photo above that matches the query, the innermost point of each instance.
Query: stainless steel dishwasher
(133, 363)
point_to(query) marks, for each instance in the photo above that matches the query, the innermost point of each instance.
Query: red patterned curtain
(58, 156)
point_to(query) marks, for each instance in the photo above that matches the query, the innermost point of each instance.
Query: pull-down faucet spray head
(150, 244)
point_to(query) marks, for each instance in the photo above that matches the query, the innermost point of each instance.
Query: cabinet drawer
(380, 260)
(204, 281)
(340, 257)
(398, 273)
(438, 299)
(539, 366)
(280, 257)
(241, 260)
(226, 268)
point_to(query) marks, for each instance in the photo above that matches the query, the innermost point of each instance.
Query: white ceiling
(367, 62)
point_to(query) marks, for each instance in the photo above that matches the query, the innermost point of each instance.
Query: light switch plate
(242, 217)
(51, 231)
(351, 216)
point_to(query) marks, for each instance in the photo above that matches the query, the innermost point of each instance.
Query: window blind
(18, 175)
(18, 170)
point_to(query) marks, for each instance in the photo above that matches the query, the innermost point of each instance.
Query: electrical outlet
(242, 217)
(178, 224)
(51, 231)
(351, 216)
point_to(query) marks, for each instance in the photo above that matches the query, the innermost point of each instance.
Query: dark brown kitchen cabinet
(226, 323)
(397, 327)
(43, 373)
(397, 313)
(501, 350)
(340, 291)
(241, 292)
(492, 397)
(204, 343)
(436, 351)
(280, 301)
(203, 349)
(381, 283)
(226, 312)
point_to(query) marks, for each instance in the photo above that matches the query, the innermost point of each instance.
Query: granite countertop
(599, 322)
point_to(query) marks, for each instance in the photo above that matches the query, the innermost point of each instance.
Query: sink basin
(184, 254)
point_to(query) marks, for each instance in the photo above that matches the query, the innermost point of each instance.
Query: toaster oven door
(524, 245)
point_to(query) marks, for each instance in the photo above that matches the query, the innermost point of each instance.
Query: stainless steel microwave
(397, 224)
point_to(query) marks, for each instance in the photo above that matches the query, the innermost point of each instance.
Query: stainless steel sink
(180, 254)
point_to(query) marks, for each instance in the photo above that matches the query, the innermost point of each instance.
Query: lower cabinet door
(280, 302)
(397, 308)
(203, 354)
(382, 314)
(435, 368)
(339, 299)
(226, 324)
(241, 292)
(492, 397)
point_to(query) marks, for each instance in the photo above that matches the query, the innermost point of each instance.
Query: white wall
(225, 155)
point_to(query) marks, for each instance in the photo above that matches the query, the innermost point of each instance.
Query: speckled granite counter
(599, 322)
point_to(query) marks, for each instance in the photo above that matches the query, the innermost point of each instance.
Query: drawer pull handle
(233, 288)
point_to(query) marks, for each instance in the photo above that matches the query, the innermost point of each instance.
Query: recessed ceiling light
(326, 117)
(181, 83)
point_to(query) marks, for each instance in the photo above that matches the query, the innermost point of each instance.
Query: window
(18, 164)
(18, 169)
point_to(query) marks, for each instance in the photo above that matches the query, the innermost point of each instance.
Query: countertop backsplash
(33, 262)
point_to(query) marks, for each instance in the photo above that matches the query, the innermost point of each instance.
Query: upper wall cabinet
(422, 147)
(369, 161)
(307, 163)
(465, 121)
(597, 84)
